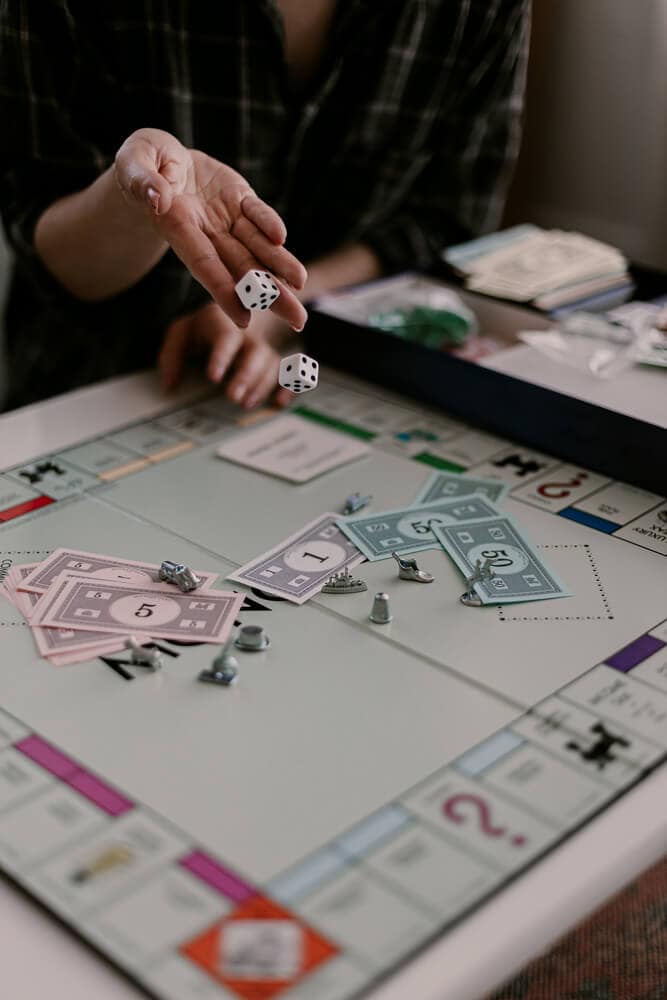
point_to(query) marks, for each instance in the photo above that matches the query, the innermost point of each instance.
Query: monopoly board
(363, 789)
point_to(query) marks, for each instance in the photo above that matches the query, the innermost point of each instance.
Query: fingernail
(218, 372)
(250, 402)
(153, 198)
(238, 392)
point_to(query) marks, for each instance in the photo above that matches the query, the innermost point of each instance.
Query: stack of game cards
(551, 269)
(80, 605)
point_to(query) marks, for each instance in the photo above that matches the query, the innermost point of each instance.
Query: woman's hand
(211, 218)
(244, 357)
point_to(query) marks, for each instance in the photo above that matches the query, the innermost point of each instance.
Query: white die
(298, 373)
(257, 290)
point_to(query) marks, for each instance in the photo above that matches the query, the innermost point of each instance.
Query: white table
(41, 958)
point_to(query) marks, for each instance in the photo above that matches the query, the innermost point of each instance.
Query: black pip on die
(257, 290)
(298, 373)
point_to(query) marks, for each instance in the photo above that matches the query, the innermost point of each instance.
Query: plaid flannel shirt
(403, 141)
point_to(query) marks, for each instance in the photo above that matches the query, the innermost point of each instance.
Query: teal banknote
(453, 484)
(519, 573)
(409, 529)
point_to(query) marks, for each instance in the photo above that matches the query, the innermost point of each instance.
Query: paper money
(519, 572)
(115, 645)
(58, 641)
(299, 566)
(409, 529)
(7, 594)
(453, 484)
(156, 610)
(65, 560)
(59, 646)
(14, 577)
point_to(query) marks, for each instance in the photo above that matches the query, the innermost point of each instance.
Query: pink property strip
(209, 871)
(106, 798)
(63, 767)
(47, 756)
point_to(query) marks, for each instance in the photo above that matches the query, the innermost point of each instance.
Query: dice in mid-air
(257, 290)
(298, 373)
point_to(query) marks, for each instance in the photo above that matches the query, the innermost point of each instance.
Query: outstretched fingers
(255, 373)
(201, 257)
(239, 259)
(265, 218)
(274, 258)
(223, 339)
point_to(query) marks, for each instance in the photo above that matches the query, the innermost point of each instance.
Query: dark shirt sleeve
(61, 126)
(42, 157)
(50, 78)
(458, 191)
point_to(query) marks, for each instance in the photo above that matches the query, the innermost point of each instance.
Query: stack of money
(80, 605)
(552, 270)
(454, 512)
(460, 514)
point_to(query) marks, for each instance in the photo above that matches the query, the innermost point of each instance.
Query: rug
(618, 953)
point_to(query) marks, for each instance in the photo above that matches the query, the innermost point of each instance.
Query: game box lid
(617, 427)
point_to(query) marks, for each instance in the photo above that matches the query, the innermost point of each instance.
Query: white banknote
(13, 581)
(299, 566)
(155, 610)
(88, 653)
(55, 642)
(65, 560)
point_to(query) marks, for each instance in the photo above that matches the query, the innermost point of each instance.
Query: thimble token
(380, 613)
(251, 638)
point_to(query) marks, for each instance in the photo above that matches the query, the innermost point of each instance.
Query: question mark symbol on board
(451, 809)
(556, 491)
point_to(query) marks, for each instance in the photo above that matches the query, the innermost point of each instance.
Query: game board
(363, 789)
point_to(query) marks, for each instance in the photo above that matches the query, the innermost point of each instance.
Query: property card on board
(292, 448)
(519, 573)
(298, 568)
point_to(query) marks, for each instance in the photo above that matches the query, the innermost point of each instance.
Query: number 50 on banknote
(519, 573)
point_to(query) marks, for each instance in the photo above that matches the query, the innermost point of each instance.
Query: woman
(143, 143)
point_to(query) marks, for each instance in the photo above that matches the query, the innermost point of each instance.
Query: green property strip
(338, 425)
(438, 463)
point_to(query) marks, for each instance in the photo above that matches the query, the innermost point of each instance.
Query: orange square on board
(259, 950)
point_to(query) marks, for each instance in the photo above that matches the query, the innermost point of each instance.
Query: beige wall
(594, 156)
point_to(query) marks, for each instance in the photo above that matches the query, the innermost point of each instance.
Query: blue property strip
(477, 760)
(308, 875)
(374, 830)
(590, 520)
